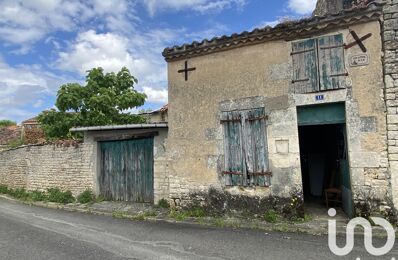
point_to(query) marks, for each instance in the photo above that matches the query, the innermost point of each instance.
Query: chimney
(324, 7)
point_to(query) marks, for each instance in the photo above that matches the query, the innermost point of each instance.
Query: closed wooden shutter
(332, 70)
(234, 170)
(256, 148)
(245, 144)
(305, 66)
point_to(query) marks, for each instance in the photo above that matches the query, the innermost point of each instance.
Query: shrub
(19, 193)
(6, 123)
(56, 195)
(3, 189)
(196, 212)
(86, 196)
(271, 216)
(163, 203)
(38, 196)
(179, 215)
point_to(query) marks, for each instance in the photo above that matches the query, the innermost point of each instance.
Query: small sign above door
(319, 97)
(359, 60)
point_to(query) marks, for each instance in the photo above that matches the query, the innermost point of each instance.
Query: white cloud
(23, 88)
(26, 22)
(302, 7)
(202, 6)
(90, 50)
(156, 95)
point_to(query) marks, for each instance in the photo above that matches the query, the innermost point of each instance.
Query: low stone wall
(48, 166)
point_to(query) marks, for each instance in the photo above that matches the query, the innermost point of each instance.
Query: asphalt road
(37, 233)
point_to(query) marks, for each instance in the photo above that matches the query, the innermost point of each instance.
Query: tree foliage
(5, 123)
(103, 100)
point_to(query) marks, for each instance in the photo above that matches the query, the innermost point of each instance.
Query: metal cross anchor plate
(358, 41)
(186, 70)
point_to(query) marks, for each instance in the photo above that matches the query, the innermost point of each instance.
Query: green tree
(103, 100)
(5, 123)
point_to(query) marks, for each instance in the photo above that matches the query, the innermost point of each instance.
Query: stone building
(280, 114)
(32, 132)
(157, 116)
(290, 111)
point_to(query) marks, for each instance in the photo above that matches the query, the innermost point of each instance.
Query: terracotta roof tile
(284, 31)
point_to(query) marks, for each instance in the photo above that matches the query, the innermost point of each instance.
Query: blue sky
(46, 43)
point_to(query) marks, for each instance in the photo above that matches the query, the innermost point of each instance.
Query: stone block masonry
(390, 40)
(48, 166)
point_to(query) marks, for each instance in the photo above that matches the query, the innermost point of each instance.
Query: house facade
(290, 110)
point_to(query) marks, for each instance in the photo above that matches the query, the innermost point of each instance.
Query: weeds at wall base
(51, 195)
(86, 196)
(370, 206)
(217, 203)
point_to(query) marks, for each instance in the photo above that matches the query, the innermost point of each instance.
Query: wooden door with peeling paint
(127, 170)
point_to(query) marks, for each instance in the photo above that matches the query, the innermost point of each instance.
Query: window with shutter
(331, 62)
(318, 64)
(305, 71)
(246, 162)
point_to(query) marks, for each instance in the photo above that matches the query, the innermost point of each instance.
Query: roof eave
(303, 28)
(119, 127)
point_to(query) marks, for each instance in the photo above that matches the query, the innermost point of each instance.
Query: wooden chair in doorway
(333, 195)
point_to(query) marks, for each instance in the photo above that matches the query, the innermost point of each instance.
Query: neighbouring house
(31, 123)
(31, 131)
(157, 116)
(292, 111)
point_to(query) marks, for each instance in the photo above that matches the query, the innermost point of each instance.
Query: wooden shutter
(332, 70)
(245, 145)
(305, 66)
(234, 171)
(255, 147)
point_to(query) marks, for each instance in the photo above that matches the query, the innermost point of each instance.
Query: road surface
(28, 232)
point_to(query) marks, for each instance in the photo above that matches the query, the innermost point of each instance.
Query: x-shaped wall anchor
(358, 41)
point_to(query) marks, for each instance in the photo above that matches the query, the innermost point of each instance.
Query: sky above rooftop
(46, 43)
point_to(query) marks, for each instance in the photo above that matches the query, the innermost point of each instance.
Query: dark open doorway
(321, 149)
(324, 156)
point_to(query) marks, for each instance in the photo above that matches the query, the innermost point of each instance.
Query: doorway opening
(323, 156)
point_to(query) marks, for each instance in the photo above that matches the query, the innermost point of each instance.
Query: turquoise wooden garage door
(127, 170)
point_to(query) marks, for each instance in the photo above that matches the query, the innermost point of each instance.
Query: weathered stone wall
(47, 166)
(195, 142)
(390, 37)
